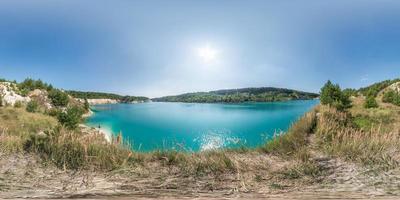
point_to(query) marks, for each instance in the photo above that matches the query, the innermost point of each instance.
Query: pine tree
(370, 102)
(332, 95)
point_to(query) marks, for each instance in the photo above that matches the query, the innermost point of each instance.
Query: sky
(156, 48)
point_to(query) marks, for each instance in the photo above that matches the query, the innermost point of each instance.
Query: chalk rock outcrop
(395, 87)
(7, 91)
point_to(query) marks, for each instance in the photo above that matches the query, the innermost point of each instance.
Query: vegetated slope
(103, 95)
(375, 88)
(262, 94)
(392, 94)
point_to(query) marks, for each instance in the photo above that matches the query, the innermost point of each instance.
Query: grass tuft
(296, 137)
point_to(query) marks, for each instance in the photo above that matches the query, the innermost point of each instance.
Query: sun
(207, 53)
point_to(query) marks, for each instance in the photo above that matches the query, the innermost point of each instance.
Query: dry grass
(189, 163)
(21, 131)
(338, 136)
(74, 150)
(16, 125)
(296, 137)
(385, 118)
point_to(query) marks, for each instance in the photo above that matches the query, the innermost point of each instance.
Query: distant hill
(262, 94)
(102, 95)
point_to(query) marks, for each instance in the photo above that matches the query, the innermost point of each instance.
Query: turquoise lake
(197, 127)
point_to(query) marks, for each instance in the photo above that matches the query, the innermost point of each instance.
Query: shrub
(332, 95)
(370, 102)
(52, 112)
(391, 97)
(18, 104)
(32, 106)
(71, 117)
(58, 98)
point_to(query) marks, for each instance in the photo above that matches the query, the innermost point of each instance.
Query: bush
(18, 104)
(32, 106)
(58, 98)
(332, 95)
(391, 97)
(71, 117)
(370, 102)
(52, 112)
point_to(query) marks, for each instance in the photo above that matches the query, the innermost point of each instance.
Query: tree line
(265, 94)
(103, 95)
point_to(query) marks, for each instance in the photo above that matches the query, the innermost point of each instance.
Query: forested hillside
(263, 94)
(102, 95)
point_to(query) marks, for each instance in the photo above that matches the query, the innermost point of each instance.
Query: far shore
(106, 101)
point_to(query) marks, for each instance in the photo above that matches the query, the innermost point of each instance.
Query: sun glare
(207, 53)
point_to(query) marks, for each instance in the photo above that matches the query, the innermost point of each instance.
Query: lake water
(194, 127)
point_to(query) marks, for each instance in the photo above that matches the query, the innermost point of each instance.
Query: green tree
(58, 98)
(71, 117)
(30, 84)
(49, 88)
(40, 85)
(332, 95)
(370, 102)
(350, 92)
(32, 106)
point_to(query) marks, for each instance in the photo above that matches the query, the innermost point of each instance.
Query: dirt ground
(24, 176)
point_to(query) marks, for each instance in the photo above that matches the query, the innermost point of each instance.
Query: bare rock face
(98, 101)
(7, 91)
(395, 87)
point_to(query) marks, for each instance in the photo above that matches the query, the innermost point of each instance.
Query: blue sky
(152, 48)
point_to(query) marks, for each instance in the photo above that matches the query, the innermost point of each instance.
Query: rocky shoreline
(95, 130)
